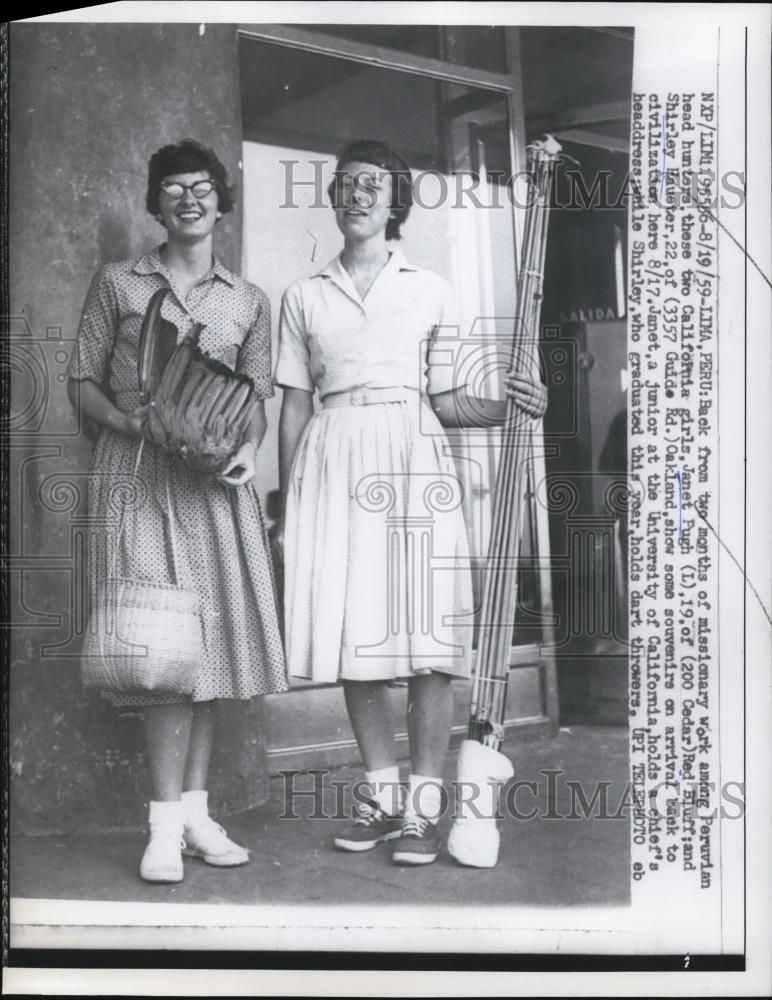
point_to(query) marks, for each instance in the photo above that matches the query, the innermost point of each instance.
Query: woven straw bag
(143, 636)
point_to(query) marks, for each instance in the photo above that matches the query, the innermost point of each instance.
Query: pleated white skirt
(377, 575)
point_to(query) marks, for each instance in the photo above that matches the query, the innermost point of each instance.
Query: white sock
(386, 791)
(424, 797)
(166, 814)
(195, 805)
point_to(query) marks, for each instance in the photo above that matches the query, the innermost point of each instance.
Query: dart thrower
(482, 768)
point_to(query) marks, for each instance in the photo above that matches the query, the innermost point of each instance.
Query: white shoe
(207, 840)
(162, 860)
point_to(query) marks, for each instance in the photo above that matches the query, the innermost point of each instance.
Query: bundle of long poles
(489, 688)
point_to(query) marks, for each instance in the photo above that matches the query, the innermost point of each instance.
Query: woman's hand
(529, 394)
(241, 469)
(456, 408)
(135, 422)
(91, 402)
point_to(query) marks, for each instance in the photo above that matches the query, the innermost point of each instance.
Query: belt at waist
(368, 395)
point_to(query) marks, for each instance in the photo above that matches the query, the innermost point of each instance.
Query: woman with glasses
(372, 500)
(222, 549)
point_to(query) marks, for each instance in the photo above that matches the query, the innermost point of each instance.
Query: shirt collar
(335, 269)
(151, 263)
(400, 263)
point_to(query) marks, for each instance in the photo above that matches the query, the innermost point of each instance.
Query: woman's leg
(203, 837)
(167, 734)
(200, 746)
(429, 718)
(369, 709)
(429, 715)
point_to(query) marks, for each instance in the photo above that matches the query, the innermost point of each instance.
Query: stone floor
(550, 860)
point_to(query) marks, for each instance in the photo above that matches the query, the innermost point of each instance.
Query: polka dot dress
(216, 542)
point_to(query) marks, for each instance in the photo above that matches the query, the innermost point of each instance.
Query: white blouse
(332, 340)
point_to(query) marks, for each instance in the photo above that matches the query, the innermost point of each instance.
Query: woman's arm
(89, 400)
(297, 408)
(90, 359)
(456, 408)
(242, 467)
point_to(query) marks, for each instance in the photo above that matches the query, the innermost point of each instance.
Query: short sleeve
(293, 368)
(255, 353)
(97, 331)
(443, 354)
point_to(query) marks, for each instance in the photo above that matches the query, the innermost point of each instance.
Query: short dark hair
(380, 155)
(187, 157)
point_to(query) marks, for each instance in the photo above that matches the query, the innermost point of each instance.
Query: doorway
(305, 93)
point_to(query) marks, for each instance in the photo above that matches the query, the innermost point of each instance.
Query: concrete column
(90, 103)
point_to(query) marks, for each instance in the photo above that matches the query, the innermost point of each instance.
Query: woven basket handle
(117, 546)
(172, 533)
(176, 564)
(172, 524)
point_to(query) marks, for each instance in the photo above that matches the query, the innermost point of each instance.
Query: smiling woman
(188, 205)
(183, 527)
